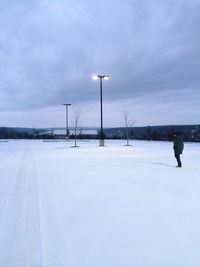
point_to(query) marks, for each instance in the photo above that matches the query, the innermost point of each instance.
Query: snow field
(98, 206)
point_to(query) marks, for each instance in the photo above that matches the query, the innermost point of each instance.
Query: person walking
(178, 147)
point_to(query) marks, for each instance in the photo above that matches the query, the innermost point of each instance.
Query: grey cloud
(49, 50)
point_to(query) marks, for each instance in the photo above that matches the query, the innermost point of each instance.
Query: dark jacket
(178, 144)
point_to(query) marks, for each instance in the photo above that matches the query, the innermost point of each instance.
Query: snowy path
(114, 206)
(19, 213)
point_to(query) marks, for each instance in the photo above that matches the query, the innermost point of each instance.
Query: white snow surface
(94, 206)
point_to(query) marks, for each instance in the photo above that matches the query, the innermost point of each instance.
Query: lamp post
(67, 131)
(101, 77)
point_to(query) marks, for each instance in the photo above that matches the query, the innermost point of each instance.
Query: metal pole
(101, 134)
(67, 130)
(67, 137)
(101, 106)
(101, 137)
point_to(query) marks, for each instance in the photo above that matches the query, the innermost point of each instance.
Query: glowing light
(106, 77)
(95, 77)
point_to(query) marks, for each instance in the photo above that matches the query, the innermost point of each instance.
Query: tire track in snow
(55, 247)
(9, 155)
(20, 234)
(7, 179)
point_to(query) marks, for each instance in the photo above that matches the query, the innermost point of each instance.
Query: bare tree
(128, 123)
(76, 121)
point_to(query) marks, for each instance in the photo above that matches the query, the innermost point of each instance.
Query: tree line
(191, 133)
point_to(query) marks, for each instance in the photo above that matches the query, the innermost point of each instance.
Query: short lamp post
(67, 130)
(101, 77)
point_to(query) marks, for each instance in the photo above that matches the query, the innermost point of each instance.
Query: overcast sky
(49, 51)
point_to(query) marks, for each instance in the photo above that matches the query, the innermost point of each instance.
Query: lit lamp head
(106, 77)
(95, 77)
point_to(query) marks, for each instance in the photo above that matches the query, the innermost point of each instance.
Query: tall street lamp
(101, 77)
(67, 131)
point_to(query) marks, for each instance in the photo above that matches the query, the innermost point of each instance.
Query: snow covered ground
(91, 206)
